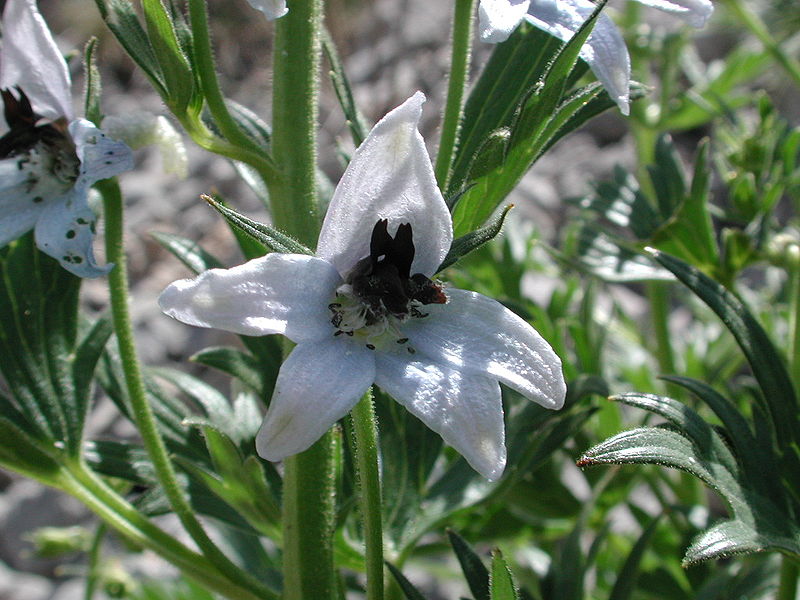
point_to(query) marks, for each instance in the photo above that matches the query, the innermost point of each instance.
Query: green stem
(366, 453)
(459, 72)
(142, 413)
(308, 482)
(751, 20)
(308, 523)
(87, 487)
(206, 71)
(94, 562)
(295, 91)
(794, 325)
(659, 316)
(790, 572)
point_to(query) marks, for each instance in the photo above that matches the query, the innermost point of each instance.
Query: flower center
(44, 149)
(379, 295)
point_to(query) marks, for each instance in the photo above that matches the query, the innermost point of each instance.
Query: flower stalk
(206, 71)
(297, 52)
(142, 413)
(461, 53)
(308, 484)
(366, 452)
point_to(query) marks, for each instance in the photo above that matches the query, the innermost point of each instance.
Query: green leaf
(708, 441)
(23, 454)
(540, 113)
(272, 238)
(473, 568)
(187, 251)
(730, 538)
(92, 88)
(87, 354)
(766, 363)
(661, 446)
(174, 64)
(474, 240)
(341, 85)
(121, 18)
(409, 591)
(604, 257)
(502, 584)
(245, 367)
(625, 584)
(38, 331)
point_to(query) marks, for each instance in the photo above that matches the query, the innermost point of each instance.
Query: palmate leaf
(45, 358)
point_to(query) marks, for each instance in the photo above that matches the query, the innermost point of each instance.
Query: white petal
(464, 408)
(604, 51)
(272, 9)
(65, 231)
(389, 177)
(693, 12)
(497, 19)
(317, 385)
(30, 59)
(141, 128)
(20, 204)
(100, 156)
(277, 293)
(475, 333)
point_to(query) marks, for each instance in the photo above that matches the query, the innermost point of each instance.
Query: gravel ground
(391, 48)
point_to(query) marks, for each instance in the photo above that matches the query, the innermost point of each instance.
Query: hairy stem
(366, 452)
(459, 72)
(142, 413)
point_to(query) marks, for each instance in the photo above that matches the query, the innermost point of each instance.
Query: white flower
(364, 311)
(272, 9)
(604, 51)
(141, 128)
(48, 159)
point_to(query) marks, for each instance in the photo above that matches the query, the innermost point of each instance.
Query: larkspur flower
(48, 159)
(365, 310)
(605, 51)
(272, 9)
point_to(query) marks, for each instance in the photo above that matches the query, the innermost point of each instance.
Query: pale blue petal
(464, 408)
(65, 231)
(100, 156)
(389, 177)
(272, 9)
(30, 59)
(23, 198)
(693, 12)
(497, 19)
(277, 293)
(474, 333)
(604, 51)
(317, 385)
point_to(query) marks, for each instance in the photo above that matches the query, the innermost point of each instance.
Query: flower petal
(497, 19)
(20, 201)
(272, 9)
(389, 177)
(317, 385)
(604, 51)
(277, 293)
(464, 408)
(65, 231)
(693, 12)
(100, 156)
(477, 334)
(31, 60)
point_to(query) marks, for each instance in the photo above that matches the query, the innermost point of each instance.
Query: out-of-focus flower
(139, 129)
(365, 310)
(272, 9)
(48, 159)
(604, 51)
